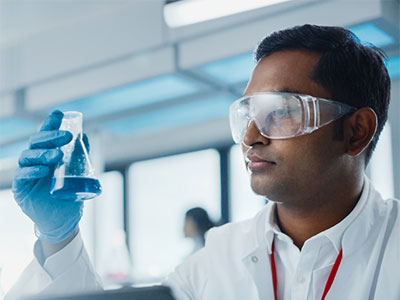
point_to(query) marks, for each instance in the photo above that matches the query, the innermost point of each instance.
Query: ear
(360, 129)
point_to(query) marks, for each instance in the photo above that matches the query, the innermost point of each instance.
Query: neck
(312, 216)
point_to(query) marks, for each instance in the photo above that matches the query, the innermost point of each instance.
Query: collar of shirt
(334, 234)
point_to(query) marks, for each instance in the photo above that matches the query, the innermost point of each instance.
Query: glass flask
(74, 177)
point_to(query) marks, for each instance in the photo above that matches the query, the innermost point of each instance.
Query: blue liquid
(75, 188)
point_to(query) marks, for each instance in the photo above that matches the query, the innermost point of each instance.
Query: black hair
(352, 72)
(201, 219)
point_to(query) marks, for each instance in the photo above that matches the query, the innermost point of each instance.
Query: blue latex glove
(55, 220)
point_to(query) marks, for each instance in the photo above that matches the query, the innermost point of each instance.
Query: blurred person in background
(196, 224)
(308, 123)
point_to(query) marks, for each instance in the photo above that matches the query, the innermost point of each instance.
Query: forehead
(286, 71)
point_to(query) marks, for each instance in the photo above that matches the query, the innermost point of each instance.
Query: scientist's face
(189, 227)
(282, 169)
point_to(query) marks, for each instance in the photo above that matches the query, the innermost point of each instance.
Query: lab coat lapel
(258, 265)
(256, 258)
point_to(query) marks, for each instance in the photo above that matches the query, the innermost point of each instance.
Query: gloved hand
(55, 219)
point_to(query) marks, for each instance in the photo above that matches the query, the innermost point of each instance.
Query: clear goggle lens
(283, 115)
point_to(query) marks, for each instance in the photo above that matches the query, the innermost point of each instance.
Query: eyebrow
(284, 90)
(288, 90)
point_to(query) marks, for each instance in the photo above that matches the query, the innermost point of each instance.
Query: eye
(280, 113)
(277, 118)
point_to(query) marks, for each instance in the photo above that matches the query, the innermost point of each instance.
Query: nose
(253, 136)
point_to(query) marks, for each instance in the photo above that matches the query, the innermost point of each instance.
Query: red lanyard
(328, 284)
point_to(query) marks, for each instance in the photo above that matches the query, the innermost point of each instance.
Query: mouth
(256, 163)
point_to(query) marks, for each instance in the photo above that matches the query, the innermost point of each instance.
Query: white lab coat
(235, 263)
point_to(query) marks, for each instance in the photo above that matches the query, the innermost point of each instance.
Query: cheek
(313, 155)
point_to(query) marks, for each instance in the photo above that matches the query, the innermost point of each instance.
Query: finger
(53, 121)
(31, 173)
(50, 139)
(40, 157)
(86, 142)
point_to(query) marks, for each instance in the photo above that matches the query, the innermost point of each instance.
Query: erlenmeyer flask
(74, 177)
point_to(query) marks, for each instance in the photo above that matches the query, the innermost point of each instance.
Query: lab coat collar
(351, 232)
(261, 232)
(336, 233)
(368, 218)
(255, 235)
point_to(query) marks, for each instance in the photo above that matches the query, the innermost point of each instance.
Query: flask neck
(72, 122)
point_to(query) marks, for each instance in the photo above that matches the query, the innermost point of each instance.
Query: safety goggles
(283, 115)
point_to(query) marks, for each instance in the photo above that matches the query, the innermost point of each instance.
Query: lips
(256, 163)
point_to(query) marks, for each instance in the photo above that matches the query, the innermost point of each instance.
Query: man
(308, 123)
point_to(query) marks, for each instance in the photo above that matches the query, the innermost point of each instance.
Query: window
(17, 238)
(244, 202)
(161, 191)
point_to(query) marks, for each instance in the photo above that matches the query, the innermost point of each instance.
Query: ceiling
(145, 89)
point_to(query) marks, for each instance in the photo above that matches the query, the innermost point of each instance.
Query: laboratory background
(154, 80)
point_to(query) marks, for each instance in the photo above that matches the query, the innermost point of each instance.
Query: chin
(261, 189)
(271, 189)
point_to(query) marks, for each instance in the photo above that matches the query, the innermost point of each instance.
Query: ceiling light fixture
(188, 12)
